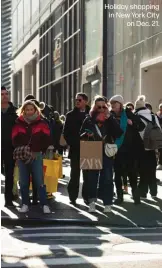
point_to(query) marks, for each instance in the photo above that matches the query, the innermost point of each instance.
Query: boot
(136, 196)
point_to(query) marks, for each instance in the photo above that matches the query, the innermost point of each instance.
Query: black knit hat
(29, 97)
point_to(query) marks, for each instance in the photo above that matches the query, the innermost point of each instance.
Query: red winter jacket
(38, 132)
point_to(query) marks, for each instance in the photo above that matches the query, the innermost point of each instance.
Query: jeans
(35, 168)
(103, 179)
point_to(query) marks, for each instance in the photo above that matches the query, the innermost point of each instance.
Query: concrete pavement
(149, 213)
(81, 247)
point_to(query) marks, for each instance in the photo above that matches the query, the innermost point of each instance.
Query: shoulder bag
(110, 149)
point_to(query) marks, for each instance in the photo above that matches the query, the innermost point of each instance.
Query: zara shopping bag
(91, 154)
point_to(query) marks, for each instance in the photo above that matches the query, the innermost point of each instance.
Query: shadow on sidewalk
(149, 213)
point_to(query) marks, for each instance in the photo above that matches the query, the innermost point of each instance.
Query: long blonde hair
(21, 110)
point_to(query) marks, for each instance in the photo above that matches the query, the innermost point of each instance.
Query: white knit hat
(160, 105)
(140, 102)
(117, 98)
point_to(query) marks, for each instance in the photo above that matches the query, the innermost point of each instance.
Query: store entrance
(56, 97)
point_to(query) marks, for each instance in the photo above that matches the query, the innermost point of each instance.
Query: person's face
(29, 110)
(80, 103)
(4, 96)
(100, 106)
(116, 107)
(160, 110)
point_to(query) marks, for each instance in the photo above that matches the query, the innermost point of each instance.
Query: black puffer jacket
(110, 129)
(132, 141)
(7, 122)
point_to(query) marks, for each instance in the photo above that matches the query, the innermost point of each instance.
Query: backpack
(152, 135)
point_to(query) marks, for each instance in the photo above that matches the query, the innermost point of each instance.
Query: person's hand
(129, 122)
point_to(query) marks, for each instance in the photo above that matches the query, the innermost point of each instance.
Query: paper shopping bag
(91, 155)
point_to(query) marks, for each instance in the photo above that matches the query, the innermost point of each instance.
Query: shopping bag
(91, 155)
(51, 175)
(16, 179)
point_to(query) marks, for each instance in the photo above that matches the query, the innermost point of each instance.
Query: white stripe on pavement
(104, 229)
(28, 235)
(35, 262)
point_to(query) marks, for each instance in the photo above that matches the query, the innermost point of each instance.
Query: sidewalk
(148, 214)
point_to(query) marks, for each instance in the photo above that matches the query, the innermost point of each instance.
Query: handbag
(111, 149)
(23, 153)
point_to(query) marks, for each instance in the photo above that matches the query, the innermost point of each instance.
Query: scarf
(123, 126)
(100, 118)
(32, 118)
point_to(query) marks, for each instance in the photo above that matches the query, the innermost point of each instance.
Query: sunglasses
(101, 107)
(78, 100)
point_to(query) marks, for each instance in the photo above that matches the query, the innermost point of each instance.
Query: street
(81, 247)
(130, 234)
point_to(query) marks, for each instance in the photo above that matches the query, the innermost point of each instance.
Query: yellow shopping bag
(16, 179)
(51, 175)
(51, 171)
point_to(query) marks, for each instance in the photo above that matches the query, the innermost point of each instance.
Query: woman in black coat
(129, 146)
(101, 126)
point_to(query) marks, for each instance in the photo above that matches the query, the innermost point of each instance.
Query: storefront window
(93, 29)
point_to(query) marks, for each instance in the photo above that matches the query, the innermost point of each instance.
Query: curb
(7, 221)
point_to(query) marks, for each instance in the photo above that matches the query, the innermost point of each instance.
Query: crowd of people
(28, 132)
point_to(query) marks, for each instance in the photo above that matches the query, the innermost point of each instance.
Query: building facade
(6, 43)
(134, 59)
(57, 50)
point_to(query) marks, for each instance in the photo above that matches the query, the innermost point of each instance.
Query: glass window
(14, 29)
(14, 3)
(20, 21)
(26, 15)
(58, 26)
(43, 3)
(35, 9)
(93, 28)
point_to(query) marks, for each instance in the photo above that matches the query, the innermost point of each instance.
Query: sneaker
(159, 167)
(107, 209)
(24, 209)
(92, 207)
(46, 209)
